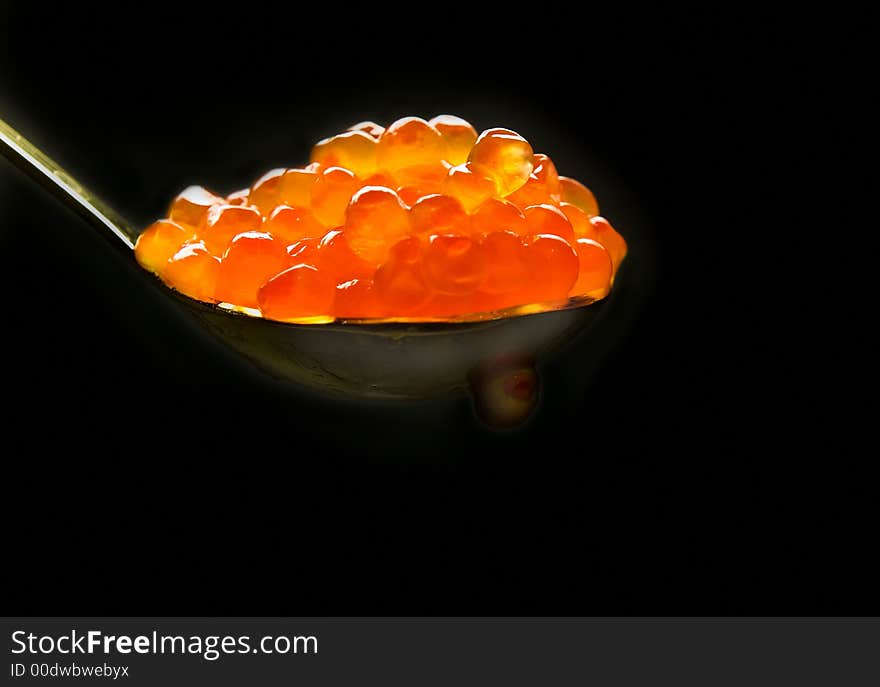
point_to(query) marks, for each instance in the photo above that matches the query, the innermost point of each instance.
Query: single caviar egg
(472, 188)
(507, 265)
(410, 195)
(428, 177)
(399, 281)
(594, 274)
(304, 251)
(381, 179)
(239, 197)
(499, 215)
(354, 150)
(292, 224)
(159, 242)
(357, 298)
(375, 130)
(331, 193)
(553, 266)
(248, 262)
(191, 205)
(339, 261)
(225, 221)
(264, 192)
(438, 214)
(548, 219)
(454, 264)
(459, 134)
(295, 187)
(193, 271)
(297, 292)
(505, 157)
(574, 192)
(605, 234)
(374, 220)
(542, 186)
(580, 220)
(409, 141)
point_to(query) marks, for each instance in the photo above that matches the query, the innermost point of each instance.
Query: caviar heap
(420, 220)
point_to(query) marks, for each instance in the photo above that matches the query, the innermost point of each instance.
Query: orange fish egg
(331, 193)
(542, 185)
(295, 187)
(410, 194)
(303, 251)
(225, 221)
(580, 220)
(499, 215)
(594, 274)
(505, 157)
(339, 261)
(375, 130)
(191, 205)
(438, 214)
(545, 172)
(354, 150)
(374, 220)
(472, 188)
(410, 141)
(459, 134)
(297, 292)
(426, 177)
(238, 197)
(548, 219)
(553, 266)
(193, 271)
(264, 192)
(507, 264)
(356, 298)
(454, 264)
(399, 281)
(248, 262)
(158, 242)
(381, 179)
(605, 234)
(292, 224)
(574, 192)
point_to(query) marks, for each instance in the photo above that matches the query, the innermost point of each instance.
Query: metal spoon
(493, 355)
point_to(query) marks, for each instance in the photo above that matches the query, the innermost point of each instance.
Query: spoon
(492, 355)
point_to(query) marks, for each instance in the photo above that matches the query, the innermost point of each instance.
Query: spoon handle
(30, 159)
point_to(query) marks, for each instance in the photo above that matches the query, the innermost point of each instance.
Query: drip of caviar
(422, 219)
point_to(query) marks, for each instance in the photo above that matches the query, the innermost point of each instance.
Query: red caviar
(422, 219)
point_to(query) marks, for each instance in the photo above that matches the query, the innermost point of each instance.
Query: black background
(697, 470)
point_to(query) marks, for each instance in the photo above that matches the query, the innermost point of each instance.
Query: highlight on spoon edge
(422, 221)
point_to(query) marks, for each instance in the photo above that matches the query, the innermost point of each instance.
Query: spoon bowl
(388, 359)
